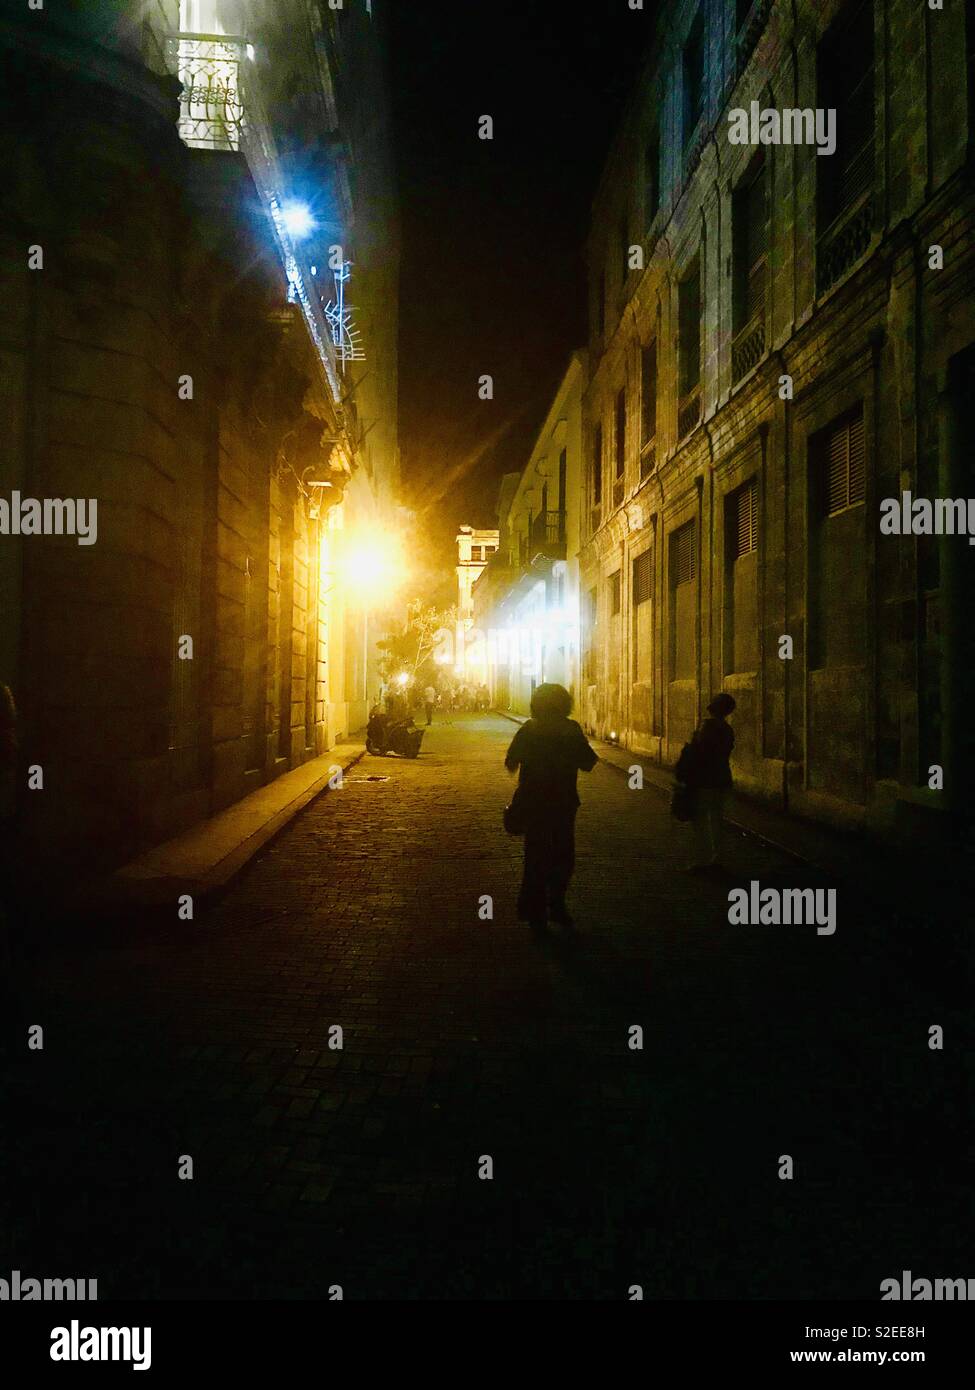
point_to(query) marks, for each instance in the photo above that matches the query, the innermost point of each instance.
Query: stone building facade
(526, 603)
(780, 340)
(175, 353)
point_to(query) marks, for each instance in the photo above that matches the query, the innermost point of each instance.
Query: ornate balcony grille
(211, 112)
(844, 243)
(689, 412)
(747, 348)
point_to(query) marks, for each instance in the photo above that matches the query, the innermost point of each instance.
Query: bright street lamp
(298, 219)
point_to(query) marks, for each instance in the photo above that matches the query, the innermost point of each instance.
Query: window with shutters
(683, 555)
(693, 74)
(642, 634)
(615, 592)
(842, 458)
(651, 179)
(744, 519)
(689, 329)
(741, 619)
(682, 628)
(846, 85)
(642, 578)
(836, 566)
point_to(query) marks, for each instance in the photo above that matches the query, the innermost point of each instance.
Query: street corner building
(199, 260)
(782, 336)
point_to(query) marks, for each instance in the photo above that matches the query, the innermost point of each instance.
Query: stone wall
(849, 727)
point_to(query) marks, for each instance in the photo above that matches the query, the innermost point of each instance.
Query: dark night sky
(493, 271)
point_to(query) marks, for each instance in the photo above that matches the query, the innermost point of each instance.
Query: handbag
(683, 802)
(514, 817)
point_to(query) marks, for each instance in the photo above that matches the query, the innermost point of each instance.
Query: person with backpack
(704, 768)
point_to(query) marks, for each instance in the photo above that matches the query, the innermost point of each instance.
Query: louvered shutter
(745, 515)
(845, 463)
(642, 578)
(684, 560)
(858, 461)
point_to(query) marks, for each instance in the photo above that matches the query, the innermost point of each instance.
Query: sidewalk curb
(126, 888)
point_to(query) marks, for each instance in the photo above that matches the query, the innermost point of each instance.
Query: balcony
(221, 109)
(548, 535)
(210, 67)
(747, 347)
(688, 412)
(844, 242)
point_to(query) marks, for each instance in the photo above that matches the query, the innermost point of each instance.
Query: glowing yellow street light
(372, 569)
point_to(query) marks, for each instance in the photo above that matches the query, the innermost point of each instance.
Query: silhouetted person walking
(548, 752)
(710, 777)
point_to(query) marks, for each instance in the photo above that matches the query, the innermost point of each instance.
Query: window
(651, 179)
(682, 626)
(750, 248)
(743, 520)
(683, 555)
(842, 458)
(846, 85)
(689, 330)
(642, 578)
(693, 71)
(621, 432)
(740, 628)
(615, 592)
(648, 393)
(477, 553)
(597, 466)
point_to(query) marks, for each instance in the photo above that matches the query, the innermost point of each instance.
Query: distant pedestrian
(548, 752)
(429, 700)
(705, 766)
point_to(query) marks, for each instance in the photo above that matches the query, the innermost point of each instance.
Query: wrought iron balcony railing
(221, 109)
(688, 412)
(747, 347)
(548, 528)
(211, 115)
(844, 242)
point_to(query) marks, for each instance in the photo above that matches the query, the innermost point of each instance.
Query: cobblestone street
(465, 1037)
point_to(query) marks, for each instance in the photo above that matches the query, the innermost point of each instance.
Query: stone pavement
(466, 1038)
